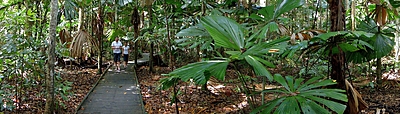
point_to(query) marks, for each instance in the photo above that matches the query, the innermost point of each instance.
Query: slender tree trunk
(99, 35)
(353, 14)
(379, 71)
(49, 107)
(150, 10)
(168, 40)
(136, 22)
(80, 23)
(29, 23)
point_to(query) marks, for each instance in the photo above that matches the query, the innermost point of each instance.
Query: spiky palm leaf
(304, 97)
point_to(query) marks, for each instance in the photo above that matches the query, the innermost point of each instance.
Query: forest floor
(224, 96)
(76, 84)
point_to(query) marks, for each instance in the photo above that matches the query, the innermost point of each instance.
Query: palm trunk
(337, 60)
(337, 19)
(49, 107)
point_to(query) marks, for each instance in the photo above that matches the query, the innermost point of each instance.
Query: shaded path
(116, 93)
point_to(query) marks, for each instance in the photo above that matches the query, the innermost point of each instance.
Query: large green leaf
(116, 33)
(270, 27)
(337, 107)
(196, 70)
(317, 84)
(286, 6)
(328, 35)
(278, 78)
(218, 70)
(394, 3)
(259, 68)
(382, 44)
(194, 31)
(304, 101)
(259, 49)
(265, 62)
(310, 107)
(225, 32)
(267, 12)
(69, 10)
(268, 107)
(331, 93)
(348, 47)
(288, 106)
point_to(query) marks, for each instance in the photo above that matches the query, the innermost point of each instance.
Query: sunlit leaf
(259, 69)
(196, 70)
(225, 32)
(193, 31)
(286, 6)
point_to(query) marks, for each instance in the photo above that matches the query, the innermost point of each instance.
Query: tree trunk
(337, 60)
(49, 107)
(99, 35)
(379, 71)
(337, 19)
(80, 23)
(168, 40)
(28, 22)
(150, 10)
(136, 22)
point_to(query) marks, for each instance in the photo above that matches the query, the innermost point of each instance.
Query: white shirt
(117, 45)
(126, 49)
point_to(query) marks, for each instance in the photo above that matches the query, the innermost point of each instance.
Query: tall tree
(49, 107)
(99, 35)
(337, 60)
(337, 57)
(135, 20)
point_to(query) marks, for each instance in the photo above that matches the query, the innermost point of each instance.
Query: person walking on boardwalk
(126, 51)
(116, 46)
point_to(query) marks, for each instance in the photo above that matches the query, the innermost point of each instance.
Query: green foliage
(225, 32)
(287, 5)
(116, 33)
(200, 72)
(394, 3)
(70, 12)
(230, 35)
(304, 97)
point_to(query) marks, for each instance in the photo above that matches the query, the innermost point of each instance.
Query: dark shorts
(126, 56)
(117, 57)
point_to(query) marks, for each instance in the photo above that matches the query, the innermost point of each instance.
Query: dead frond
(82, 45)
(356, 103)
(65, 37)
(305, 35)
